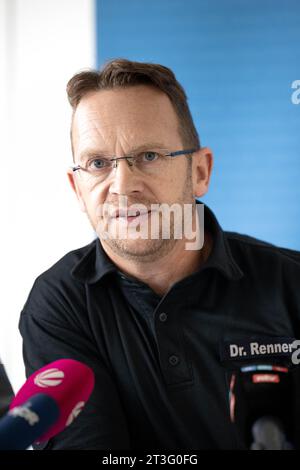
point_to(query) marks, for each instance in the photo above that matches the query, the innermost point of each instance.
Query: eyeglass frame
(132, 157)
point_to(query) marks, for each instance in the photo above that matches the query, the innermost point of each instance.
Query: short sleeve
(48, 336)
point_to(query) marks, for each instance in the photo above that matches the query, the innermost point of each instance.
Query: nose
(124, 178)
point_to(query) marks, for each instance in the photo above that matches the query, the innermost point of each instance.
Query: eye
(150, 156)
(97, 163)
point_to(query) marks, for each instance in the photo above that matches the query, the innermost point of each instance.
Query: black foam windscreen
(262, 390)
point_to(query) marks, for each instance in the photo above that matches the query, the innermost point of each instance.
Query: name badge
(238, 351)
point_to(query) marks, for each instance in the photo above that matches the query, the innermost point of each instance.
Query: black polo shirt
(160, 383)
(6, 391)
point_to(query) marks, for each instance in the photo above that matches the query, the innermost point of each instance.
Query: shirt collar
(95, 263)
(221, 256)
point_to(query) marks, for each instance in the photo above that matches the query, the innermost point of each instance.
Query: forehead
(127, 116)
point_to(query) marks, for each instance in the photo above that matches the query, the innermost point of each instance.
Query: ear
(76, 188)
(202, 168)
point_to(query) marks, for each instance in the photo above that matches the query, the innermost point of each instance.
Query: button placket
(170, 342)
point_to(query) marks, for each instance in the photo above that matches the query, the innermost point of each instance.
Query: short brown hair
(121, 73)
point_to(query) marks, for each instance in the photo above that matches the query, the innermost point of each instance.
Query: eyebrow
(86, 153)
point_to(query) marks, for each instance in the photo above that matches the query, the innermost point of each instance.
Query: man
(150, 314)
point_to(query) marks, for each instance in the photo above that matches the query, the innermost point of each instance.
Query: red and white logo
(75, 412)
(265, 378)
(49, 378)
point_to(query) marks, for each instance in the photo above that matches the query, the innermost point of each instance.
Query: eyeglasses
(148, 162)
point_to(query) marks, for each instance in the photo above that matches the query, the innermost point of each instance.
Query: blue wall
(237, 60)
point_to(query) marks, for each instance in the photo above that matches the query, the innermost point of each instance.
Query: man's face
(114, 123)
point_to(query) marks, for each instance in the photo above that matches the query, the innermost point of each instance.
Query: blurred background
(238, 61)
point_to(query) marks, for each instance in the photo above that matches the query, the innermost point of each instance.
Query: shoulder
(258, 252)
(62, 269)
(55, 289)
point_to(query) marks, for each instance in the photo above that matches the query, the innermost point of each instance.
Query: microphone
(48, 402)
(261, 406)
(268, 434)
(21, 426)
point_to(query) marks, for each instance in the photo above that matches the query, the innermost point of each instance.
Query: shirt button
(173, 360)
(163, 316)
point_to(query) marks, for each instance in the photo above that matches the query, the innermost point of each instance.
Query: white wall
(42, 44)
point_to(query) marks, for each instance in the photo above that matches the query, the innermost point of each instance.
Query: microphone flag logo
(49, 378)
(75, 412)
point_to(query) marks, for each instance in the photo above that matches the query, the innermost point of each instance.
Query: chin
(152, 249)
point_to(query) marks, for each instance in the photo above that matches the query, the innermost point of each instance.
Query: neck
(161, 274)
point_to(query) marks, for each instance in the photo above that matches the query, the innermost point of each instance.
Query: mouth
(137, 216)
